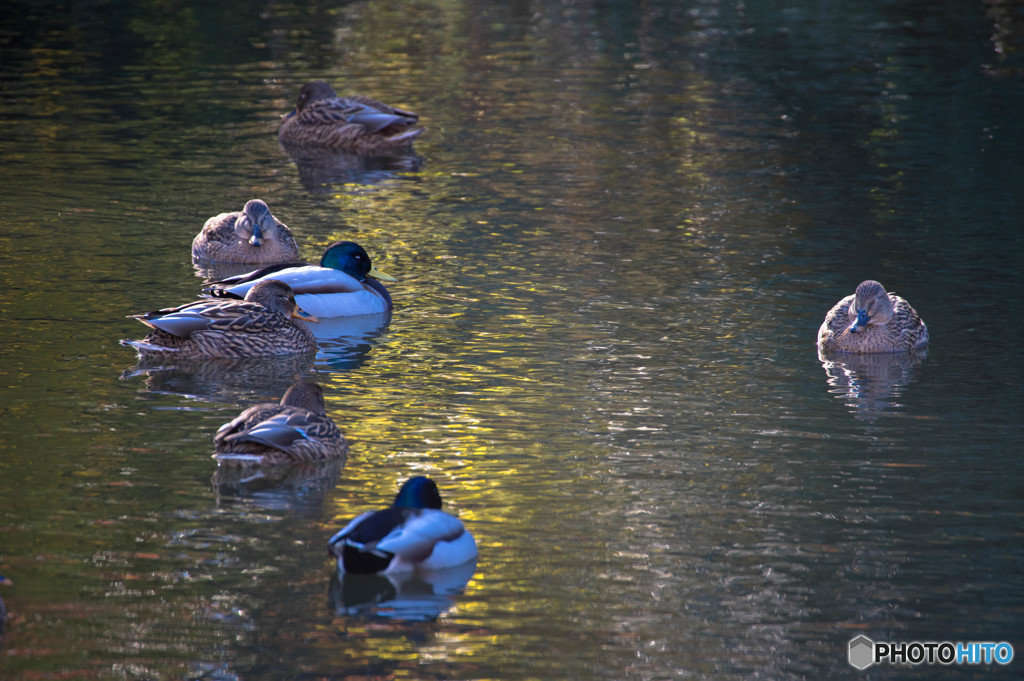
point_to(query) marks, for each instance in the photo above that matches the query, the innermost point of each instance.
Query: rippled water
(615, 245)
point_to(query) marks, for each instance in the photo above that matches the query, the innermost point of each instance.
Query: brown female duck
(356, 124)
(296, 430)
(262, 325)
(872, 321)
(250, 236)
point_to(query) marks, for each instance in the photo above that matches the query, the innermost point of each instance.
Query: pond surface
(614, 248)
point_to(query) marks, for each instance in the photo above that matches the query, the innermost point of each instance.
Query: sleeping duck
(412, 534)
(872, 321)
(252, 236)
(264, 324)
(344, 284)
(296, 430)
(357, 124)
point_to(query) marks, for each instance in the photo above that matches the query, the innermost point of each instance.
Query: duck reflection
(222, 380)
(295, 487)
(417, 596)
(345, 342)
(870, 383)
(320, 170)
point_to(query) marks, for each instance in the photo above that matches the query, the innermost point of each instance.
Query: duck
(295, 430)
(4, 581)
(251, 236)
(344, 284)
(413, 534)
(356, 124)
(872, 321)
(267, 323)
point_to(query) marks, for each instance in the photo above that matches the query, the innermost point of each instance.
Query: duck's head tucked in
(313, 91)
(872, 321)
(296, 430)
(418, 492)
(254, 220)
(412, 534)
(352, 124)
(870, 306)
(250, 236)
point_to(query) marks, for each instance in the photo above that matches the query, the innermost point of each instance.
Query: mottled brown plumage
(252, 236)
(262, 325)
(872, 321)
(356, 124)
(296, 430)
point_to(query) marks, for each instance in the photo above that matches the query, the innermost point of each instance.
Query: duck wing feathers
(224, 315)
(410, 533)
(374, 116)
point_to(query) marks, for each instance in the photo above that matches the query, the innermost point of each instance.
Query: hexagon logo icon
(862, 652)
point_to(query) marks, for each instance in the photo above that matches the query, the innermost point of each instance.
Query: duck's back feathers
(297, 429)
(396, 539)
(259, 326)
(357, 124)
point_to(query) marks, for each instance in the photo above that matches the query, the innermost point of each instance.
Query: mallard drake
(871, 321)
(296, 430)
(261, 325)
(355, 123)
(340, 286)
(412, 534)
(252, 236)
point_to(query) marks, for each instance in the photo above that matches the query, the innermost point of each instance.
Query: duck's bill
(299, 313)
(377, 274)
(860, 323)
(257, 236)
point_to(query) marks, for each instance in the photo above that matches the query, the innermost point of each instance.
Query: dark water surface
(615, 245)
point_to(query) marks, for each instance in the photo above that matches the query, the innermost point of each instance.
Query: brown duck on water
(872, 321)
(264, 324)
(296, 430)
(356, 124)
(251, 236)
